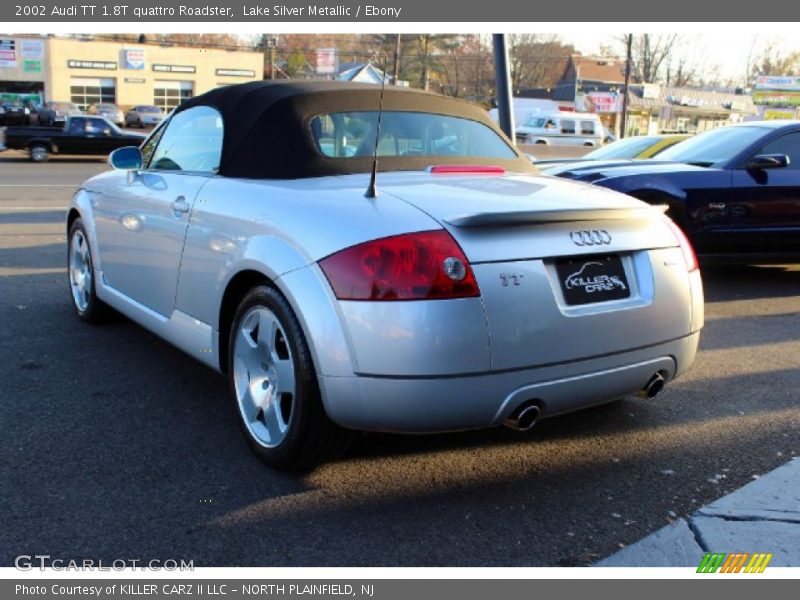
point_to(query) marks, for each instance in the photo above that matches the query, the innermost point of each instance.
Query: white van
(561, 129)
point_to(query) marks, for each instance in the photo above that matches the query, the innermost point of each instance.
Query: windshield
(352, 134)
(628, 148)
(712, 147)
(148, 109)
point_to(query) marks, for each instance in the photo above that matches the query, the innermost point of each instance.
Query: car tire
(273, 386)
(81, 277)
(39, 153)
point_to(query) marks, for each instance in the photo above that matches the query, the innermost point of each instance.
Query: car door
(73, 140)
(142, 217)
(99, 136)
(763, 213)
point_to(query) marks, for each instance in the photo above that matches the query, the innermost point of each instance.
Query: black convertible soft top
(268, 136)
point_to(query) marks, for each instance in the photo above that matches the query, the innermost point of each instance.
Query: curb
(762, 516)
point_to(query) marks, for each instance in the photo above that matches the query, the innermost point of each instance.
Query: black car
(735, 191)
(14, 113)
(80, 135)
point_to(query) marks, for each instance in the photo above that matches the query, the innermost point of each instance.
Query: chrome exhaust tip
(523, 418)
(653, 387)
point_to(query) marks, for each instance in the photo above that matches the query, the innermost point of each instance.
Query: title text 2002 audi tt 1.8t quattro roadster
(468, 292)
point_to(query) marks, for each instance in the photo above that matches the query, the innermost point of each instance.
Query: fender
(655, 190)
(51, 146)
(304, 285)
(81, 206)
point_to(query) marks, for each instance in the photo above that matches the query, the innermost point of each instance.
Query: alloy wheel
(264, 376)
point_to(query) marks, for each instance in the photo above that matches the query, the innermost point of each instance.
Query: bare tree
(649, 54)
(537, 60)
(770, 59)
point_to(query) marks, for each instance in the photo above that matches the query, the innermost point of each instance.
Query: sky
(728, 50)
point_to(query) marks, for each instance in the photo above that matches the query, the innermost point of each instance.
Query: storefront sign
(772, 114)
(32, 66)
(776, 98)
(773, 82)
(134, 80)
(235, 72)
(603, 102)
(326, 61)
(133, 59)
(92, 64)
(8, 54)
(174, 68)
(651, 91)
(32, 49)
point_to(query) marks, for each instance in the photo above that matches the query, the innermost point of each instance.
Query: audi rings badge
(590, 237)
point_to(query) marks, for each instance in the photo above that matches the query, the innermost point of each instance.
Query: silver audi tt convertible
(354, 258)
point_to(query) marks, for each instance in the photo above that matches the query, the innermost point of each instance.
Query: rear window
(352, 135)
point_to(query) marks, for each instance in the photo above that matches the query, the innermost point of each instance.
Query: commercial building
(87, 71)
(597, 84)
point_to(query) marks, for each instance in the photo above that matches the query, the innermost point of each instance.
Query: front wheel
(81, 276)
(273, 386)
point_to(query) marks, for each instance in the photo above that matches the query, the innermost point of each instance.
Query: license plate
(589, 279)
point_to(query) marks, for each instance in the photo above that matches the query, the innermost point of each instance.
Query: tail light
(428, 265)
(686, 247)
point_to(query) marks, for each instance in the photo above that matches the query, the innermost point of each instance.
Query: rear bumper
(419, 405)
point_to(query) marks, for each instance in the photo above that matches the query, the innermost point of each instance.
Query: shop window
(86, 94)
(168, 97)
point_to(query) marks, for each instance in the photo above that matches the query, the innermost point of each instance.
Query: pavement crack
(747, 518)
(698, 537)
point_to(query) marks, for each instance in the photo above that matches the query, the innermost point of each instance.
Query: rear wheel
(273, 386)
(80, 273)
(39, 153)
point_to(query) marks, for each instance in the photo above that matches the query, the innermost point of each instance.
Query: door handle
(180, 205)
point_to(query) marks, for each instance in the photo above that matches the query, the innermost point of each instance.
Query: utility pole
(502, 78)
(396, 73)
(272, 43)
(625, 91)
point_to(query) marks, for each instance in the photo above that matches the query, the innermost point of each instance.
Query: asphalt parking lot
(116, 445)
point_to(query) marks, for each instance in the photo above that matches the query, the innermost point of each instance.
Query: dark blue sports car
(735, 190)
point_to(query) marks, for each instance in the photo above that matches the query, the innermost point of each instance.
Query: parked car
(630, 148)
(644, 146)
(735, 191)
(562, 129)
(339, 293)
(144, 116)
(110, 112)
(79, 135)
(54, 114)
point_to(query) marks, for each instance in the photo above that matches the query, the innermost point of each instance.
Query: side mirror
(767, 161)
(128, 158)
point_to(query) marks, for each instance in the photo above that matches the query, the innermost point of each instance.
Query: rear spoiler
(491, 219)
